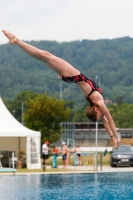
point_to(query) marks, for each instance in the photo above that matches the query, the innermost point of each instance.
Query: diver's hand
(115, 142)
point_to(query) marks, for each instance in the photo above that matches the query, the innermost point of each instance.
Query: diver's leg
(57, 64)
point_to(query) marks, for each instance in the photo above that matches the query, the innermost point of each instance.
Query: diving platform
(4, 169)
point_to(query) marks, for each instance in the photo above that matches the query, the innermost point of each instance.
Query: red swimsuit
(81, 77)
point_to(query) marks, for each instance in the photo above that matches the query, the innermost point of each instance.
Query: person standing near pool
(55, 150)
(45, 152)
(64, 154)
(77, 150)
(97, 109)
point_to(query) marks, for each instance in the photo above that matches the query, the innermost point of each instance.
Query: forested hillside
(112, 60)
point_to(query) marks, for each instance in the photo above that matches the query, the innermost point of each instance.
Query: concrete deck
(73, 169)
(99, 169)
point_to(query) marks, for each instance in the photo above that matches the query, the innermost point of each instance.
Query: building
(84, 134)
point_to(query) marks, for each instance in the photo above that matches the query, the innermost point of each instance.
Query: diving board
(4, 169)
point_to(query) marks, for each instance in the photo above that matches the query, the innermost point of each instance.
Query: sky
(66, 20)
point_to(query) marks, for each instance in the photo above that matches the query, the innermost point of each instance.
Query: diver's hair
(91, 113)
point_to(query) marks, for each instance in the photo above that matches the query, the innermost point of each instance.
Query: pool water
(101, 186)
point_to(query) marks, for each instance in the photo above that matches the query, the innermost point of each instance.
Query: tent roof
(10, 127)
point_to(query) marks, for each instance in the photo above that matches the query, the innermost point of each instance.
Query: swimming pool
(101, 186)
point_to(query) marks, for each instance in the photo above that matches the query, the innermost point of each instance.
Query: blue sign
(54, 161)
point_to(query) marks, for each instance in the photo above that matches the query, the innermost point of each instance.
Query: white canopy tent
(10, 128)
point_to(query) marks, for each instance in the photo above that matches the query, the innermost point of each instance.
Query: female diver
(97, 110)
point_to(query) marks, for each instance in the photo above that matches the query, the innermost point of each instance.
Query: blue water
(101, 186)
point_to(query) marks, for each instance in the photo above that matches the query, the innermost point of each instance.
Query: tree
(79, 115)
(15, 106)
(120, 99)
(122, 115)
(45, 114)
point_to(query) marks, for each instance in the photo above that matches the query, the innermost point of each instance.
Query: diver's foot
(12, 38)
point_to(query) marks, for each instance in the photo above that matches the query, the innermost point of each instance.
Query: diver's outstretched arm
(113, 135)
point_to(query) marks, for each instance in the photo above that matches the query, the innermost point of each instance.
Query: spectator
(77, 150)
(55, 150)
(45, 152)
(64, 154)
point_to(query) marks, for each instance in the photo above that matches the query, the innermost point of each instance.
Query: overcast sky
(66, 20)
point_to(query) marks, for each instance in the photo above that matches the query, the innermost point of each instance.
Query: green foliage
(119, 100)
(15, 106)
(45, 114)
(122, 115)
(79, 116)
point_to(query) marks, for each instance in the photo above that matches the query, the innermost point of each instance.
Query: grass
(105, 160)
